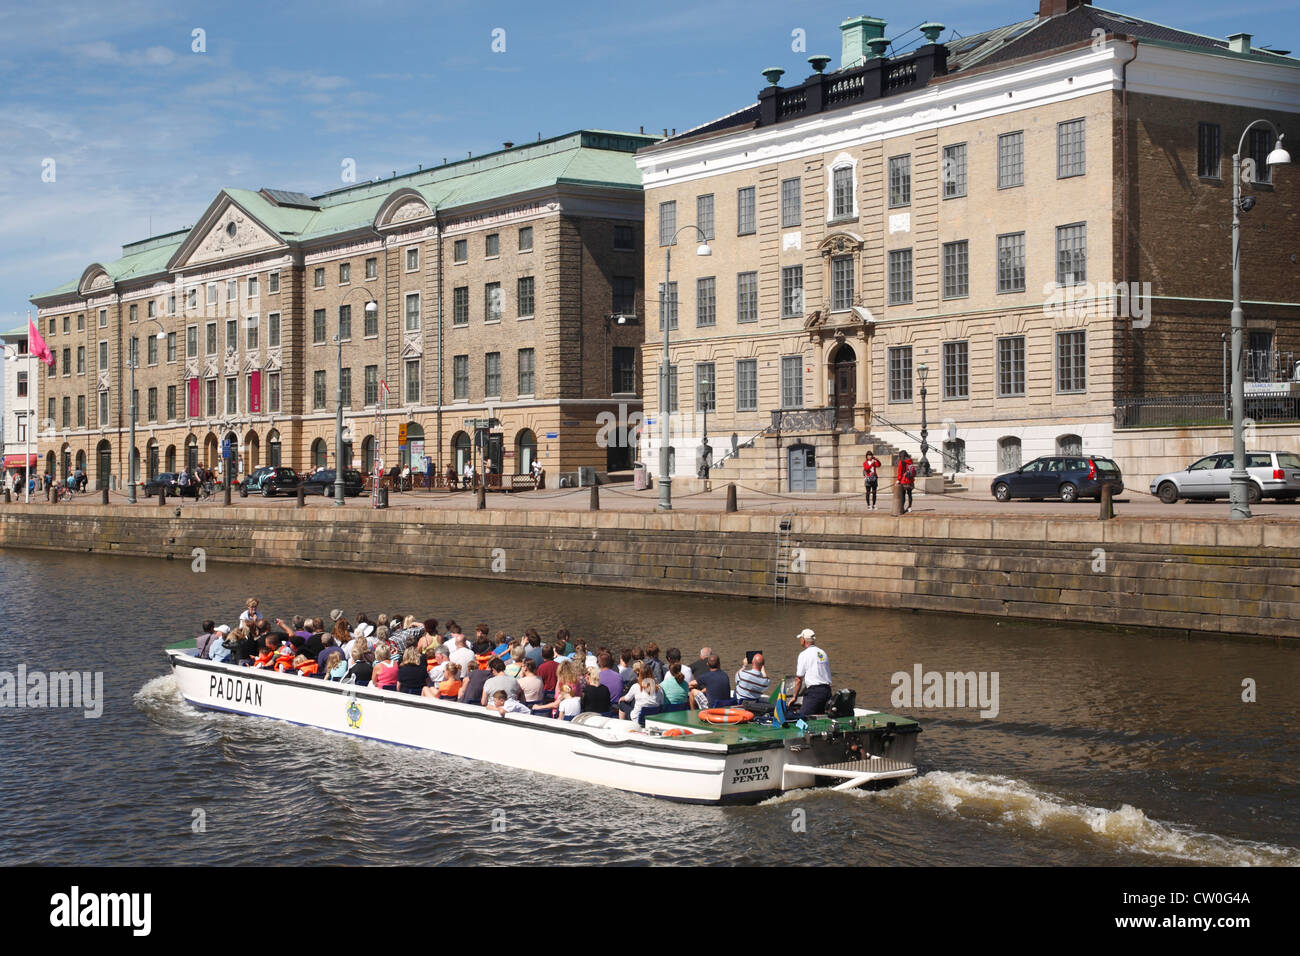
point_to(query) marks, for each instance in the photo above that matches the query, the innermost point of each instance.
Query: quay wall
(1190, 575)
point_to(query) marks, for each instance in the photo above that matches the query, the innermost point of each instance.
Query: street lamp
(371, 309)
(132, 360)
(922, 372)
(1239, 489)
(665, 479)
(27, 417)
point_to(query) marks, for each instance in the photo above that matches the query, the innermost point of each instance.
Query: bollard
(1107, 502)
(7, 498)
(226, 494)
(104, 494)
(481, 504)
(302, 497)
(896, 507)
(594, 504)
(731, 497)
(162, 497)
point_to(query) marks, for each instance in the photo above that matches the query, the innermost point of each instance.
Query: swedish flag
(778, 702)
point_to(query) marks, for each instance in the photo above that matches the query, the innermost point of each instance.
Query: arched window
(413, 453)
(368, 455)
(525, 451)
(273, 449)
(1069, 445)
(1008, 453)
(151, 460)
(81, 461)
(319, 456)
(65, 461)
(460, 451)
(103, 464)
(170, 459)
(191, 452)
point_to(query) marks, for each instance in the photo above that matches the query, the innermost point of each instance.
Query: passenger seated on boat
(752, 682)
(563, 647)
(675, 687)
(384, 674)
(361, 665)
(499, 680)
(429, 640)
(502, 645)
(566, 705)
(595, 695)
(472, 691)
(305, 666)
(698, 698)
(266, 655)
(547, 671)
(435, 662)
(483, 656)
(644, 693)
(533, 646)
(411, 674)
(335, 667)
(530, 685)
(515, 665)
(284, 655)
(635, 672)
(715, 683)
(504, 704)
(221, 650)
(449, 687)
(674, 656)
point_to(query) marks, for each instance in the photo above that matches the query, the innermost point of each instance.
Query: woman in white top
(643, 694)
(251, 614)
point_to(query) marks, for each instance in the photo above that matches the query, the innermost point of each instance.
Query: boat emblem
(354, 714)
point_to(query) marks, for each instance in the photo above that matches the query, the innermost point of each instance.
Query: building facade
(21, 402)
(430, 303)
(1028, 226)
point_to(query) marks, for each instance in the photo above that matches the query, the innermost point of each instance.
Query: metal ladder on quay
(781, 575)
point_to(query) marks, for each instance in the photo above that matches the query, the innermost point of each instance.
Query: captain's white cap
(807, 634)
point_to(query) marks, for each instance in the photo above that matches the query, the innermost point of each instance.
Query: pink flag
(36, 345)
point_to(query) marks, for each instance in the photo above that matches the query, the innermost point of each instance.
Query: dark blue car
(1068, 477)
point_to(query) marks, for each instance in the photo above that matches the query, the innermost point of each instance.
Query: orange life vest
(283, 663)
(264, 659)
(307, 668)
(483, 660)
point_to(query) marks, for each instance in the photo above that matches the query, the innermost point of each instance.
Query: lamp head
(161, 335)
(1279, 156)
(704, 250)
(923, 370)
(372, 307)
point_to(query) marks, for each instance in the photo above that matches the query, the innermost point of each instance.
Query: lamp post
(132, 360)
(1239, 489)
(922, 372)
(665, 479)
(27, 419)
(371, 308)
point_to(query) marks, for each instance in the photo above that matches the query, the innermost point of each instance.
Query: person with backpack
(906, 479)
(871, 478)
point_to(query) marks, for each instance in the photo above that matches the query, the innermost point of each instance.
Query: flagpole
(27, 432)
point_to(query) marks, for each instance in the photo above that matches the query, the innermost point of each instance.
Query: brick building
(497, 284)
(969, 208)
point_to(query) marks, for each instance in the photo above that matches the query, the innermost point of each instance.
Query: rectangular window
(345, 384)
(67, 409)
(318, 389)
(791, 202)
(103, 356)
(345, 273)
(251, 397)
(460, 305)
(81, 411)
(372, 268)
(841, 283)
(623, 295)
(900, 373)
(624, 370)
(171, 403)
(460, 377)
(1072, 254)
(492, 302)
(81, 356)
(792, 381)
(371, 385)
(1071, 362)
(706, 393)
(252, 287)
(492, 245)
(209, 295)
(747, 297)
(370, 322)
(526, 372)
(273, 391)
(273, 283)
(624, 239)
(151, 405)
(460, 250)
(171, 346)
(1011, 367)
(81, 321)
(668, 305)
(747, 385)
(133, 312)
(151, 309)
(412, 259)
(667, 222)
(251, 332)
(704, 214)
(232, 289)
(192, 299)
(50, 405)
(318, 326)
(524, 292)
(525, 238)
(1208, 150)
(191, 341)
(900, 181)
(345, 323)
(672, 389)
(956, 370)
(151, 352)
(1070, 156)
(413, 312)
(22, 384)
(842, 193)
(1011, 262)
(953, 171)
(706, 302)
(171, 305)
(956, 269)
(745, 218)
(232, 335)
(103, 408)
(318, 278)
(413, 381)
(1011, 160)
(103, 315)
(900, 277)
(232, 396)
(492, 374)
(273, 330)
(1261, 144)
(791, 291)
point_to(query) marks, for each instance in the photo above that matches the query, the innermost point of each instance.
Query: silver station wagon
(1273, 474)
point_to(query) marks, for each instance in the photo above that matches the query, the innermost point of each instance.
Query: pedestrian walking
(906, 479)
(871, 478)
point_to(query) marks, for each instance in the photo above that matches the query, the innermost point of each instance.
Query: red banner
(255, 393)
(192, 387)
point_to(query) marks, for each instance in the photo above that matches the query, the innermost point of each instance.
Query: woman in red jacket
(906, 478)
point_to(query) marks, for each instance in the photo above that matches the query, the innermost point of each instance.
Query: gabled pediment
(226, 230)
(404, 205)
(94, 279)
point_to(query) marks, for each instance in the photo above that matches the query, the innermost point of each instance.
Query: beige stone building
(497, 283)
(965, 217)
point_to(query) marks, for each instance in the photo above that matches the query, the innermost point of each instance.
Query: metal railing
(1208, 408)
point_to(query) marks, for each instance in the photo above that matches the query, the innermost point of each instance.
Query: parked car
(1273, 474)
(167, 481)
(269, 481)
(322, 483)
(1068, 477)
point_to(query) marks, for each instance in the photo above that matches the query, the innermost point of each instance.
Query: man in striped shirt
(752, 682)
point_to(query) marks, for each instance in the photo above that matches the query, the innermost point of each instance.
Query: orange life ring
(725, 715)
(677, 732)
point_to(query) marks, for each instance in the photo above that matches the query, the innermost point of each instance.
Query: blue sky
(144, 131)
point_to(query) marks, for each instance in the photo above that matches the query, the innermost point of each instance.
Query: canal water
(1107, 748)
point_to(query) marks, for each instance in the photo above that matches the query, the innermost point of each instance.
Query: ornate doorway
(844, 384)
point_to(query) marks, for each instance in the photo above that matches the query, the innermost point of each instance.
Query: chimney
(1239, 42)
(854, 34)
(1054, 8)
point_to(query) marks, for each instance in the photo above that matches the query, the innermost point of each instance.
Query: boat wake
(1004, 802)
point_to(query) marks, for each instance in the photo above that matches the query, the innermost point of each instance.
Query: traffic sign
(225, 448)
(401, 434)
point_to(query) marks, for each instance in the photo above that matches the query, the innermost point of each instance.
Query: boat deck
(753, 732)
